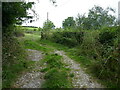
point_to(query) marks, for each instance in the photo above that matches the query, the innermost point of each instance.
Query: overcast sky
(66, 8)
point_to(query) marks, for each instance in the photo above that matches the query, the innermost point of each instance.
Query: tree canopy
(14, 13)
(69, 23)
(48, 25)
(97, 18)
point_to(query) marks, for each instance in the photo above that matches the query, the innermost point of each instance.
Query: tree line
(97, 18)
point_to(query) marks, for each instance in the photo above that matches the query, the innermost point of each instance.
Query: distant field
(27, 28)
(30, 28)
(32, 36)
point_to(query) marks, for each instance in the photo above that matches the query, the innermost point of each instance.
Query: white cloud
(67, 8)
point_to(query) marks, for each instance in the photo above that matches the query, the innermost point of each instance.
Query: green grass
(32, 37)
(31, 41)
(53, 45)
(11, 73)
(71, 74)
(56, 74)
(56, 78)
(33, 45)
(44, 70)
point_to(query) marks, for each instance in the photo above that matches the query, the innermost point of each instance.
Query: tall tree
(83, 22)
(69, 23)
(100, 17)
(96, 19)
(48, 25)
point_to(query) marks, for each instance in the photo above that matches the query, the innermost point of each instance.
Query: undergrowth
(13, 61)
(14, 57)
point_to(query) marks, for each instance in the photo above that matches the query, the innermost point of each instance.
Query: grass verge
(14, 61)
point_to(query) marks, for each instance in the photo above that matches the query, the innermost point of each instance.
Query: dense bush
(11, 50)
(69, 39)
(103, 49)
(107, 36)
(108, 71)
(13, 60)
